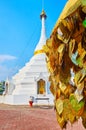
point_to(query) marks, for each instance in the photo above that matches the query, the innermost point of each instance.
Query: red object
(31, 103)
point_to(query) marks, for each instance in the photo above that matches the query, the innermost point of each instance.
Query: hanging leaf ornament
(66, 51)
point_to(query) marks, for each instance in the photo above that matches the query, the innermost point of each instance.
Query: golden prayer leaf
(67, 111)
(60, 120)
(59, 106)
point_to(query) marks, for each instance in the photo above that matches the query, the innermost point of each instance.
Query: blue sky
(20, 27)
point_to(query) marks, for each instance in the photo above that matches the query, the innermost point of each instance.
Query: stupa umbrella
(66, 61)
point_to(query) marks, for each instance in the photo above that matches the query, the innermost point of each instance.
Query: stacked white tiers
(27, 79)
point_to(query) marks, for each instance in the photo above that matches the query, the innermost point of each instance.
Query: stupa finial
(43, 14)
(42, 39)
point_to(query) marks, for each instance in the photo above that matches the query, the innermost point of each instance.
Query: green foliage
(2, 84)
(1, 89)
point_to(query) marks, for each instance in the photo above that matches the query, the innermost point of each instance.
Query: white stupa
(32, 79)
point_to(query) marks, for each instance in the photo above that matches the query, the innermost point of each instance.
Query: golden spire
(43, 14)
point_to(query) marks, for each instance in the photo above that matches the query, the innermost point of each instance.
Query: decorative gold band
(38, 52)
